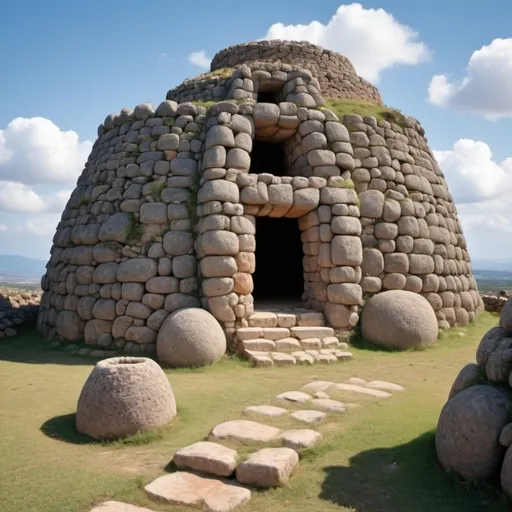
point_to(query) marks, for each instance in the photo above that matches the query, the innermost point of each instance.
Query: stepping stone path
(309, 416)
(207, 457)
(210, 494)
(300, 439)
(245, 431)
(266, 410)
(329, 405)
(294, 396)
(267, 467)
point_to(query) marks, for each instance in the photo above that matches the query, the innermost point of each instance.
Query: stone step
(269, 467)
(205, 493)
(262, 358)
(254, 339)
(206, 457)
(287, 318)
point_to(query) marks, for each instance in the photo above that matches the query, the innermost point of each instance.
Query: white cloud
(35, 150)
(481, 189)
(486, 89)
(372, 39)
(42, 225)
(473, 176)
(199, 59)
(19, 198)
(3, 228)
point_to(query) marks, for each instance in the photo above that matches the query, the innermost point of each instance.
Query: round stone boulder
(123, 396)
(190, 337)
(468, 432)
(398, 319)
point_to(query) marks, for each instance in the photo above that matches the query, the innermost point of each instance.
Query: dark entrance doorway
(268, 157)
(279, 273)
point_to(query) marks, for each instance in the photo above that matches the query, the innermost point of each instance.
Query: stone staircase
(287, 336)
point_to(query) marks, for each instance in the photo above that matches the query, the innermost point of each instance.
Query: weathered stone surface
(399, 319)
(265, 410)
(469, 376)
(329, 405)
(187, 489)
(269, 467)
(138, 270)
(309, 416)
(300, 439)
(354, 388)
(207, 457)
(385, 386)
(468, 431)
(122, 396)
(190, 337)
(294, 396)
(245, 430)
(118, 506)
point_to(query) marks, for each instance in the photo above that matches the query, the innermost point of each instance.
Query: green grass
(379, 457)
(342, 107)
(135, 230)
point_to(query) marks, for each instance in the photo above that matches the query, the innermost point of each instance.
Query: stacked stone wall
(411, 235)
(335, 73)
(289, 83)
(164, 215)
(16, 308)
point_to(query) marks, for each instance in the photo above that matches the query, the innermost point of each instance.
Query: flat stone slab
(294, 396)
(266, 410)
(384, 386)
(318, 385)
(321, 394)
(311, 332)
(308, 416)
(300, 439)
(269, 467)
(259, 345)
(282, 359)
(118, 506)
(207, 457)
(363, 390)
(208, 494)
(357, 380)
(245, 430)
(329, 405)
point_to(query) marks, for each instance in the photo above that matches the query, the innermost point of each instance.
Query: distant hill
(21, 267)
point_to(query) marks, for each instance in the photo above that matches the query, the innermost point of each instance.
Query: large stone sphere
(123, 396)
(468, 432)
(190, 337)
(399, 319)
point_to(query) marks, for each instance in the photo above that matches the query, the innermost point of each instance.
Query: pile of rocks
(474, 433)
(494, 303)
(16, 307)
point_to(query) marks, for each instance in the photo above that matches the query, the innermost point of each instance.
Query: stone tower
(255, 186)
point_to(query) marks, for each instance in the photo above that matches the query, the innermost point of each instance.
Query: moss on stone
(135, 229)
(343, 107)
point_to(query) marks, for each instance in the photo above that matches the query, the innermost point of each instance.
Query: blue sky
(73, 63)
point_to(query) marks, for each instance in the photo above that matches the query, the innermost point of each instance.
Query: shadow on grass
(406, 478)
(62, 428)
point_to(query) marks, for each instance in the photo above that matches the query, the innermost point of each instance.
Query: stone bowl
(123, 396)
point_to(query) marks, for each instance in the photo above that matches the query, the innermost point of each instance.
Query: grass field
(376, 458)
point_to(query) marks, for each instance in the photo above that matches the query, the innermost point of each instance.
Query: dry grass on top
(379, 457)
(342, 107)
